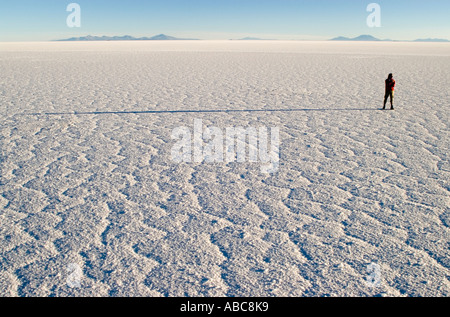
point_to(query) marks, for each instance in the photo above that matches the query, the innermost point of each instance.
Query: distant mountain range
(160, 37)
(163, 37)
(361, 38)
(432, 40)
(370, 38)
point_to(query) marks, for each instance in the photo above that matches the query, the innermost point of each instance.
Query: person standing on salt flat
(390, 87)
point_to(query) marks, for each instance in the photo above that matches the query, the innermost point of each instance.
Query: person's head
(390, 76)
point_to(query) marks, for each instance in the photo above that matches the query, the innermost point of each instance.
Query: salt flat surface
(87, 179)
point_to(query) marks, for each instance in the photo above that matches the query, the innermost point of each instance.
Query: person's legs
(386, 96)
(392, 99)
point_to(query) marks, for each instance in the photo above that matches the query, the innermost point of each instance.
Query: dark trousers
(389, 94)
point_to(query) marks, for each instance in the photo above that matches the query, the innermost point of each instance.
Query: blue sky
(42, 20)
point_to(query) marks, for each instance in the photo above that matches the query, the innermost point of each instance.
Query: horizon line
(112, 38)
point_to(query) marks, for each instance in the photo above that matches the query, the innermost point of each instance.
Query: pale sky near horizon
(44, 20)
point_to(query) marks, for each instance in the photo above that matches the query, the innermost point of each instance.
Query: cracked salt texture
(86, 176)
